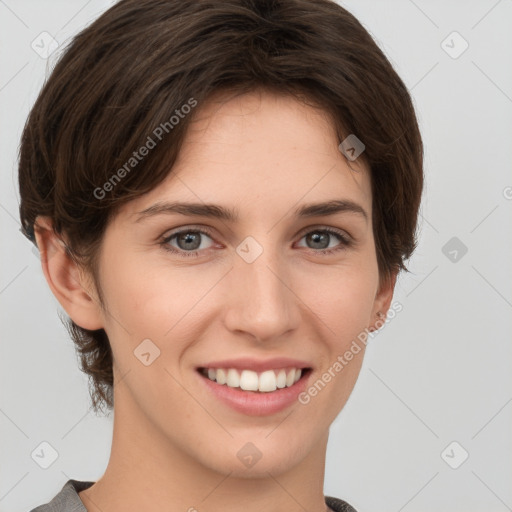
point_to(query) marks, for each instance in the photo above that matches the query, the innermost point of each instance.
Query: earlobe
(65, 279)
(382, 302)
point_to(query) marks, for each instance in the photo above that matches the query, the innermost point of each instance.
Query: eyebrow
(231, 215)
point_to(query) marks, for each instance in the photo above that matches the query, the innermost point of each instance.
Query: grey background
(439, 372)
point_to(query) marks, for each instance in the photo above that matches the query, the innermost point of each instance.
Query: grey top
(67, 500)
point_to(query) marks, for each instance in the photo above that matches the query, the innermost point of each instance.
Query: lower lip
(255, 403)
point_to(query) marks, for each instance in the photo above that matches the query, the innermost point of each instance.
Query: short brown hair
(142, 60)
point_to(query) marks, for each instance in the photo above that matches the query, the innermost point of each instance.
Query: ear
(69, 284)
(382, 301)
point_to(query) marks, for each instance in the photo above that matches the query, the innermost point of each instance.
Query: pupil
(317, 238)
(187, 237)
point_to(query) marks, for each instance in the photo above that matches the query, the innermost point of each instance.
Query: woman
(223, 194)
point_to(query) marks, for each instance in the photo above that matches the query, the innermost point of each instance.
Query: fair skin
(174, 445)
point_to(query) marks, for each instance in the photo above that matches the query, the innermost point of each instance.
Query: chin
(259, 458)
(260, 469)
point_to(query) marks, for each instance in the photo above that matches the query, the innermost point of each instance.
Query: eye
(320, 237)
(188, 240)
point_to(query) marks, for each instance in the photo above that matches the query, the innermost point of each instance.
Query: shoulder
(338, 505)
(67, 499)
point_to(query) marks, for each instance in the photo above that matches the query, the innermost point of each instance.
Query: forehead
(262, 152)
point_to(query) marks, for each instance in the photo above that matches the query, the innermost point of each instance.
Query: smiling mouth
(269, 381)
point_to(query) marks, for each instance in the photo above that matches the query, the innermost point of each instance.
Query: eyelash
(346, 242)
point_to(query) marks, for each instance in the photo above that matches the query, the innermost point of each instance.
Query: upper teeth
(248, 380)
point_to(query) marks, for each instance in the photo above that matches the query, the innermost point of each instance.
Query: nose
(260, 298)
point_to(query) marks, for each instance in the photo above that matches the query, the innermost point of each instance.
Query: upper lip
(257, 365)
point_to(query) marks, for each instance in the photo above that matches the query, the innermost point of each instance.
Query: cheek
(344, 306)
(342, 297)
(149, 296)
(159, 303)
(156, 305)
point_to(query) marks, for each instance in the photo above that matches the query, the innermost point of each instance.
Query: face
(186, 291)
